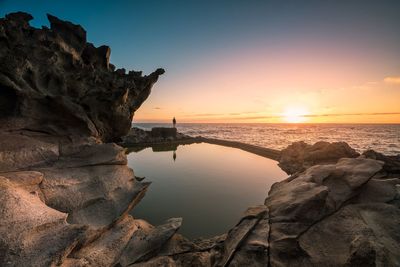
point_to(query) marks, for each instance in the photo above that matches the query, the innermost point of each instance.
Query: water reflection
(209, 186)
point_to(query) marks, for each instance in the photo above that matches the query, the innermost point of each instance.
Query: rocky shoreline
(66, 191)
(139, 139)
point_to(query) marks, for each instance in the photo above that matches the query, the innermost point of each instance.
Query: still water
(209, 186)
(384, 138)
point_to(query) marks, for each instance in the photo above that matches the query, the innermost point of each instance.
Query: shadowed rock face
(392, 163)
(53, 81)
(299, 156)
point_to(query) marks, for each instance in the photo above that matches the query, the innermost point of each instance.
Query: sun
(295, 114)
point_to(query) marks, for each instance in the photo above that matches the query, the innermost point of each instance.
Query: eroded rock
(65, 196)
(79, 95)
(106, 250)
(32, 234)
(159, 135)
(148, 241)
(391, 163)
(299, 156)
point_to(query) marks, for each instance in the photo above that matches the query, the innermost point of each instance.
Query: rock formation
(391, 163)
(66, 194)
(341, 214)
(299, 156)
(139, 137)
(54, 82)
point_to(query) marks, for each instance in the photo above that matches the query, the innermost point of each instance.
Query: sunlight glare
(295, 114)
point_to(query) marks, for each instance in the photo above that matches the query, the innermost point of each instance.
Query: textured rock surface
(299, 156)
(53, 81)
(341, 214)
(65, 196)
(391, 163)
(140, 137)
(32, 233)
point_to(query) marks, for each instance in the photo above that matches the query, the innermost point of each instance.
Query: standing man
(174, 121)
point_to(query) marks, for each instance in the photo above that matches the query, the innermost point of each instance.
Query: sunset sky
(249, 61)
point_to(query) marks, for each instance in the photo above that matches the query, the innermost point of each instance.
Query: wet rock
(299, 156)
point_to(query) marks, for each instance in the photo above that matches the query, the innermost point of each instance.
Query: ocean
(384, 138)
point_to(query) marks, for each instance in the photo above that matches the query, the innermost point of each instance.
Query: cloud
(351, 114)
(392, 79)
(157, 108)
(204, 115)
(243, 113)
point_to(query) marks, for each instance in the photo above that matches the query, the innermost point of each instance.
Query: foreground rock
(65, 196)
(391, 163)
(341, 214)
(299, 156)
(31, 232)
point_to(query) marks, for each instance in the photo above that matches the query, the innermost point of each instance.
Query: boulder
(165, 136)
(148, 241)
(391, 163)
(163, 132)
(299, 156)
(340, 226)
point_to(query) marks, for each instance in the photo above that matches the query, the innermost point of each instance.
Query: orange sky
(327, 86)
(249, 61)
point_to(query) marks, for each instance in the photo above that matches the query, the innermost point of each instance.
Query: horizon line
(288, 123)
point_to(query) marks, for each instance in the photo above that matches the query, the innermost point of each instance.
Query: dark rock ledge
(65, 193)
(138, 139)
